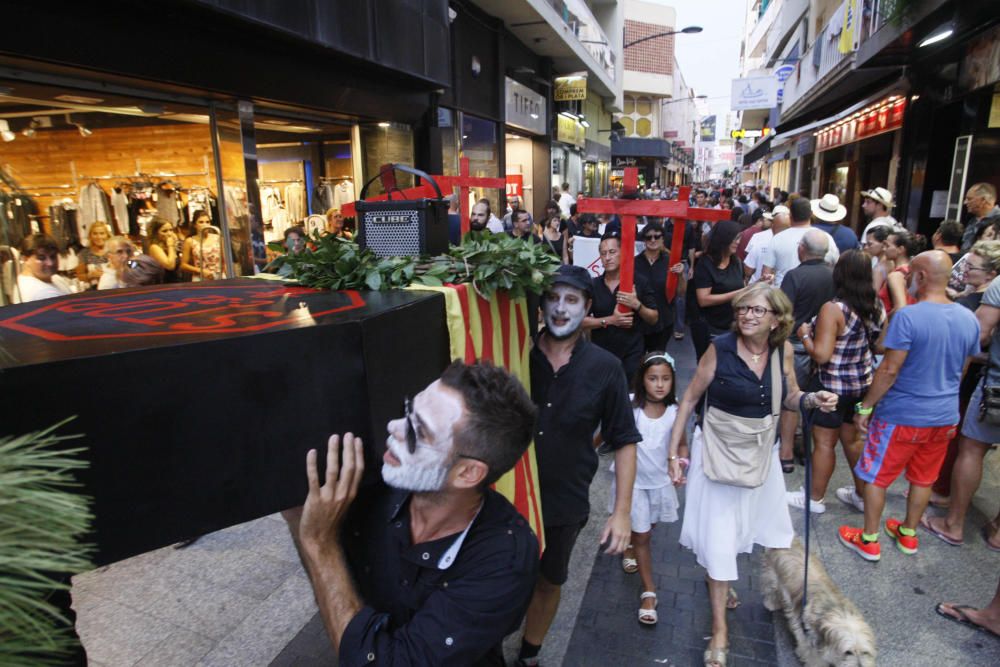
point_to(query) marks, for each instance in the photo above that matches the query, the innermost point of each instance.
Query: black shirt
(722, 281)
(626, 344)
(443, 602)
(808, 286)
(735, 388)
(587, 391)
(555, 247)
(655, 275)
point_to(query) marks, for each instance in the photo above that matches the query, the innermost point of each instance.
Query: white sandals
(648, 616)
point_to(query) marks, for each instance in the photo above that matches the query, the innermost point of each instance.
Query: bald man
(914, 397)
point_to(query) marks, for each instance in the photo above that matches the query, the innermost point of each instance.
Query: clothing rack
(276, 181)
(336, 178)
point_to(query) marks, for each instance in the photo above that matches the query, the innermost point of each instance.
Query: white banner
(587, 254)
(757, 92)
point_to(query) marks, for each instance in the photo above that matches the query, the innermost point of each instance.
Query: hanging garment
(343, 193)
(168, 205)
(119, 210)
(270, 202)
(16, 211)
(63, 224)
(322, 199)
(94, 207)
(295, 202)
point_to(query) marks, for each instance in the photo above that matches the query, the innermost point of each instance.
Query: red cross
(628, 209)
(463, 181)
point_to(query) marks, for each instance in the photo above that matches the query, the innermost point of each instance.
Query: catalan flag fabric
(496, 330)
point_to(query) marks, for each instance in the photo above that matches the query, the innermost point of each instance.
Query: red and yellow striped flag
(496, 330)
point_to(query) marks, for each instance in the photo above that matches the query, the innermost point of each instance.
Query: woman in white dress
(722, 520)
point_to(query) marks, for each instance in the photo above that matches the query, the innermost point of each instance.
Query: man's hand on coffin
(327, 505)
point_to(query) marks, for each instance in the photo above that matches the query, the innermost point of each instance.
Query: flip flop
(985, 532)
(964, 620)
(926, 524)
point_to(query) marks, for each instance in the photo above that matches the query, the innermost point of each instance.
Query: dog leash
(807, 417)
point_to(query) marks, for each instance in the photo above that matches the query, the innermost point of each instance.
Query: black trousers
(657, 341)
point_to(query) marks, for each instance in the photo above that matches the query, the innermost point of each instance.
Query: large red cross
(629, 209)
(447, 183)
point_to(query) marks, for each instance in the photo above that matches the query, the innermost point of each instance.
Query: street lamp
(690, 30)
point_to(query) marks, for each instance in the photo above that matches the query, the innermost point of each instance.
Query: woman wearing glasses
(653, 265)
(723, 520)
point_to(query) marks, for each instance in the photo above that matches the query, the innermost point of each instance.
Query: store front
(650, 156)
(859, 152)
(596, 168)
(526, 145)
(567, 153)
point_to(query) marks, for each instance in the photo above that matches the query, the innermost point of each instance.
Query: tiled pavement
(240, 597)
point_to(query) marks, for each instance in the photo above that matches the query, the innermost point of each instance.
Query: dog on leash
(831, 632)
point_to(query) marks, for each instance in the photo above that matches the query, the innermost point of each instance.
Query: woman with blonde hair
(94, 257)
(728, 511)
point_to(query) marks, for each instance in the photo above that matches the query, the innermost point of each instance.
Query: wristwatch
(860, 409)
(604, 323)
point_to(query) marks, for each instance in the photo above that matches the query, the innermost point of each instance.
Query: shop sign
(783, 73)
(525, 108)
(757, 92)
(876, 119)
(515, 186)
(569, 131)
(708, 128)
(620, 162)
(671, 134)
(750, 134)
(571, 88)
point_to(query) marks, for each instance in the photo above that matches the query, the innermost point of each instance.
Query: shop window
(480, 143)
(643, 127)
(628, 125)
(629, 105)
(385, 143)
(644, 106)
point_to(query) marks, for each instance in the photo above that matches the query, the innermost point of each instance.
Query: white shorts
(650, 507)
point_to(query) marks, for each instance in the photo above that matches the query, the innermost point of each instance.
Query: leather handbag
(738, 450)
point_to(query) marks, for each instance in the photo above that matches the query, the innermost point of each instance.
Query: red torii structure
(447, 183)
(629, 209)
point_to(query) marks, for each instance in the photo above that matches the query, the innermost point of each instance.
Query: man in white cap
(828, 215)
(773, 223)
(783, 253)
(876, 204)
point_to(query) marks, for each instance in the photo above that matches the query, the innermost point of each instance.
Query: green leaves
(42, 517)
(489, 261)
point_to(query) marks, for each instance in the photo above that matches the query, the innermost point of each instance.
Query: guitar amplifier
(402, 227)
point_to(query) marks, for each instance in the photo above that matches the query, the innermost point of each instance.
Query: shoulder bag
(738, 449)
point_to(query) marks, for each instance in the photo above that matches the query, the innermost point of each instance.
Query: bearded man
(576, 386)
(444, 565)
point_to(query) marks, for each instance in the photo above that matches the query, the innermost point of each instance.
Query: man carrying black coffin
(444, 565)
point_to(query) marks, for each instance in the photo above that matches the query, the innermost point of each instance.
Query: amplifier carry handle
(388, 176)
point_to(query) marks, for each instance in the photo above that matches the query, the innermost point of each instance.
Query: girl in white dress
(653, 497)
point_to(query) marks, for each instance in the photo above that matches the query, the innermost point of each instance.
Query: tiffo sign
(525, 108)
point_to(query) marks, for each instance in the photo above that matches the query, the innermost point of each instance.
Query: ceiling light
(383, 124)
(84, 132)
(78, 99)
(937, 37)
(5, 132)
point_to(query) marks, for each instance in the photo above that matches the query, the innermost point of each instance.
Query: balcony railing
(577, 15)
(766, 19)
(823, 58)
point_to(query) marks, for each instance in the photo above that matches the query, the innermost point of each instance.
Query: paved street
(239, 597)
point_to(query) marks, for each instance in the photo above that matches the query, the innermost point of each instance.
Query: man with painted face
(444, 565)
(576, 386)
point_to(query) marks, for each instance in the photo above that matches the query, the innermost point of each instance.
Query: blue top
(938, 338)
(454, 229)
(844, 237)
(736, 389)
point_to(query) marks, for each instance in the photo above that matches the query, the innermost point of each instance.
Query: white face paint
(435, 411)
(563, 309)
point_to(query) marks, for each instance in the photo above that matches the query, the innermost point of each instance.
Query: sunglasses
(653, 237)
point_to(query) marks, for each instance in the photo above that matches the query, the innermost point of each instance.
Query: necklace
(755, 357)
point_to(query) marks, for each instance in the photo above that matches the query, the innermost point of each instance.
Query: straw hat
(829, 208)
(880, 195)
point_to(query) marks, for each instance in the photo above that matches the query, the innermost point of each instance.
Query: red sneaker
(851, 538)
(906, 543)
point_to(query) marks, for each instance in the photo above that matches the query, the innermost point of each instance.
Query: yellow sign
(569, 131)
(750, 134)
(846, 44)
(570, 88)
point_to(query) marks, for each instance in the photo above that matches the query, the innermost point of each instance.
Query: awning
(804, 122)
(777, 157)
(633, 147)
(758, 151)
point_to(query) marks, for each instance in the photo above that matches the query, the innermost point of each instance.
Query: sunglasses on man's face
(653, 237)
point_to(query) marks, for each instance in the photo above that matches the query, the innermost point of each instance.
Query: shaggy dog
(831, 632)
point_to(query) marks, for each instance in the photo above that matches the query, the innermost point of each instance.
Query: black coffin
(198, 401)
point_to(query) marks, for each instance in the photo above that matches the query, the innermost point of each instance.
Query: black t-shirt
(435, 602)
(808, 286)
(620, 342)
(555, 247)
(655, 275)
(588, 391)
(722, 281)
